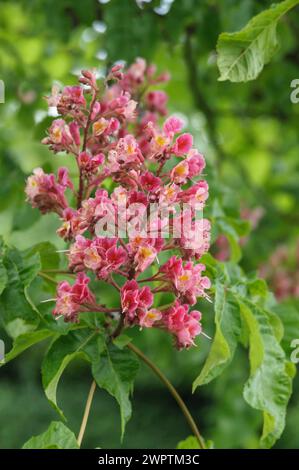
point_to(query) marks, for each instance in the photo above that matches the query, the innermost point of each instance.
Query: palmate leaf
(76, 344)
(245, 313)
(114, 367)
(57, 436)
(17, 312)
(243, 54)
(228, 327)
(269, 386)
(115, 371)
(25, 341)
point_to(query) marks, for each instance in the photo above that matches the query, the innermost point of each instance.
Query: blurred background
(249, 135)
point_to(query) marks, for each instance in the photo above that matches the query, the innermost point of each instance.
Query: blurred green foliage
(249, 135)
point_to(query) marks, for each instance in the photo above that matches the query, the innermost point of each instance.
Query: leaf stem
(173, 392)
(48, 278)
(86, 413)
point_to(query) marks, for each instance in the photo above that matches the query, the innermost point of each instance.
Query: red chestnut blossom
(71, 299)
(135, 301)
(46, 193)
(186, 279)
(156, 101)
(137, 200)
(185, 326)
(182, 144)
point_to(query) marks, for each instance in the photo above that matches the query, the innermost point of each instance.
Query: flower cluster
(120, 136)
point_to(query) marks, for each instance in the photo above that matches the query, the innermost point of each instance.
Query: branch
(86, 413)
(173, 392)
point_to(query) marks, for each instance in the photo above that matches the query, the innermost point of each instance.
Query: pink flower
(125, 155)
(134, 300)
(71, 96)
(172, 126)
(46, 193)
(75, 132)
(182, 144)
(186, 279)
(100, 255)
(100, 126)
(144, 257)
(183, 325)
(149, 182)
(70, 225)
(156, 101)
(180, 173)
(60, 136)
(90, 164)
(196, 163)
(70, 300)
(173, 267)
(147, 318)
(195, 242)
(196, 194)
(76, 253)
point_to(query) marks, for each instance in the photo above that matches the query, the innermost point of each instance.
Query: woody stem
(86, 413)
(173, 392)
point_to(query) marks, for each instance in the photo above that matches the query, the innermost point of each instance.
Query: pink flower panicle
(113, 131)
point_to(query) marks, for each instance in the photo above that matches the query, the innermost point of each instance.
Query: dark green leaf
(80, 343)
(269, 386)
(115, 371)
(228, 327)
(25, 341)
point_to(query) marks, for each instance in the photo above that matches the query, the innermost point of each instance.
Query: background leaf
(242, 55)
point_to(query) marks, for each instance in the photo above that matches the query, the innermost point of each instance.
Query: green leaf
(115, 371)
(122, 340)
(57, 436)
(288, 313)
(47, 252)
(228, 327)
(76, 344)
(17, 311)
(269, 386)
(3, 274)
(189, 443)
(243, 54)
(25, 341)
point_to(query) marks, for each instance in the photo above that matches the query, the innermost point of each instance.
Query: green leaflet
(243, 54)
(245, 313)
(189, 443)
(3, 274)
(115, 371)
(269, 386)
(25, 341)
(49, 257)
(228, 326)
(79, 343)
(17, 311)
(57, 436)
(288, 312)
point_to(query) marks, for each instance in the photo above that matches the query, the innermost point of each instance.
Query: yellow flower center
(160, 140)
